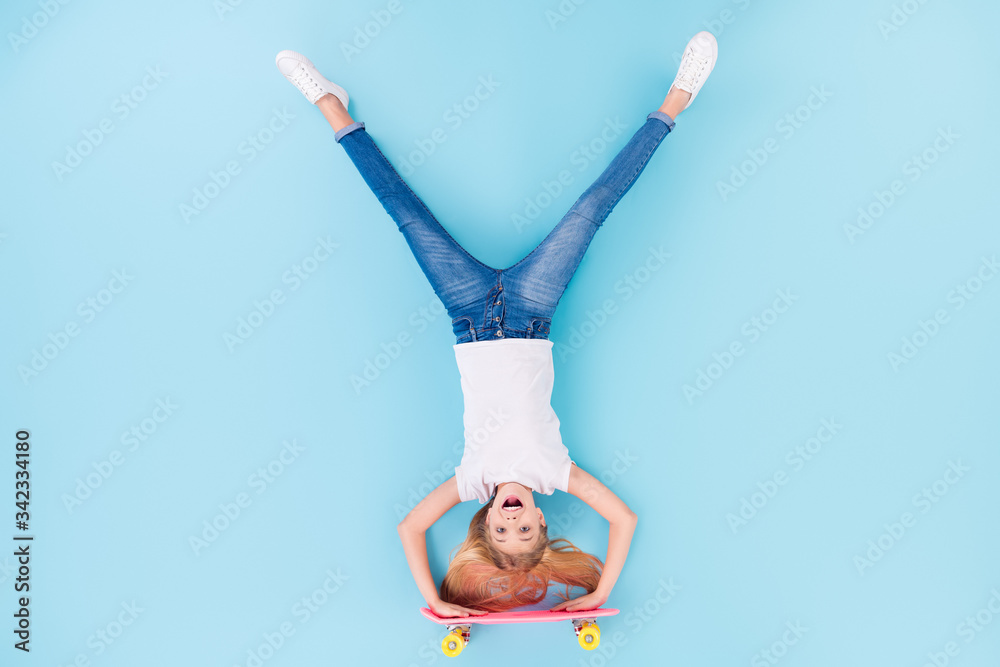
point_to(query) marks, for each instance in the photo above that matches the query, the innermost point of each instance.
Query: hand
(447, 610)
(590, 601)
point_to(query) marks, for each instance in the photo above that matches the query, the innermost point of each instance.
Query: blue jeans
(517, 302)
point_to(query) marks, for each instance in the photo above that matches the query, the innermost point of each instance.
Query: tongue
(511, 503)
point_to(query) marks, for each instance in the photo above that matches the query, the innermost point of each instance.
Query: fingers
(451, 612)
(568, 605)
(463, 611)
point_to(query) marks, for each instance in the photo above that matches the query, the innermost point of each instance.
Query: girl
(501, 318)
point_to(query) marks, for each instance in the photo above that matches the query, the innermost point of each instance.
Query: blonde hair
(480, 576)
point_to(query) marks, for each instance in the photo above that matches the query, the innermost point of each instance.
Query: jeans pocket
(462, 328)
(538, 327)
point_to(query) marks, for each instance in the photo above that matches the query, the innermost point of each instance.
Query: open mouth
(511, 504)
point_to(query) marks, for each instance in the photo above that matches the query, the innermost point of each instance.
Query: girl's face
(513, 520)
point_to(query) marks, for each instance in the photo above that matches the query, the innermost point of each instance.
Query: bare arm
(412, 530)
(590, 490)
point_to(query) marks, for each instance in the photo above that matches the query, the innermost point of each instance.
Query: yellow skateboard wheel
(590, 636)
(453, 644)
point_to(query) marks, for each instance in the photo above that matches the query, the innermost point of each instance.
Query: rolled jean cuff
(664, 117)
(356, 125)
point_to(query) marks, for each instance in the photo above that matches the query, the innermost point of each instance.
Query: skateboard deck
(459, 627)
(540, 616)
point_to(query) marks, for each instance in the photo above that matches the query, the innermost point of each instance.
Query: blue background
(685, 462)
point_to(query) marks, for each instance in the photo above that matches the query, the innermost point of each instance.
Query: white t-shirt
(511, 430)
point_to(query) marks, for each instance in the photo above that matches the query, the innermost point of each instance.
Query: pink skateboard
(459, 628)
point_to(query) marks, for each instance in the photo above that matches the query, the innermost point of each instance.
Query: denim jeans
(519, 301)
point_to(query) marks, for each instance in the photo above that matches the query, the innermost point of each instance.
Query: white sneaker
(697, 63)
(300, 71)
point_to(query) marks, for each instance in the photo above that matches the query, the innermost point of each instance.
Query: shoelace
(691, 71)
(304, 81)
